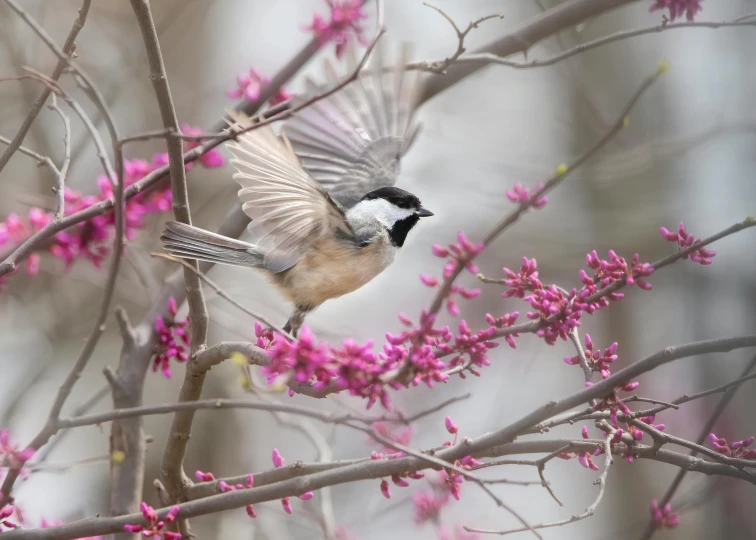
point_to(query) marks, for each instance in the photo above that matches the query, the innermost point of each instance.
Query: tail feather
(187, 242)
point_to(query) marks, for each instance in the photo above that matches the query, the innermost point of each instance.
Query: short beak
(422, 212)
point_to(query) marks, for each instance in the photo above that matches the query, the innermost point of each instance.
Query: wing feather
(352, 141)
(288, 208)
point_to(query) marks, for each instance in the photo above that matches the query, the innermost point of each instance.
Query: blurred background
(687, 155)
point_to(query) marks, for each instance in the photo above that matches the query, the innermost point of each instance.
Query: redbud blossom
(385, 489)
(685, 240)
(155, 528)
(664, 518)
(345, 22)
(278, 460)
(173, 340)
(678, 7)
(520, 194)
(204, 476)
(450, 426)
(286, 505)
(6, 512)
(737, 449)
(249, 87)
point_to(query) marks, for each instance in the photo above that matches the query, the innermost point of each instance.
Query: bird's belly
(334, 271)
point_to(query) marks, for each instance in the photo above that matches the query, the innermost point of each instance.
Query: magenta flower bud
(660, 427)
(286, 505)
(204, 477)
(584, 432)
(450, 426)
(251, 511)
(132, 528)
(306, 496)
(440, 251)
(748, 441)
(429, 281)
(629, 387)
(385, 489)
(224, 487)
(278, 460)
(399, 481)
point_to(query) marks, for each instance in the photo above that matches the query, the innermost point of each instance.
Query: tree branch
(68, 48)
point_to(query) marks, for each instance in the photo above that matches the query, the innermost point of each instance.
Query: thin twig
(67, 50)
(222, 293)
(60, 188)
(712, 420)
(483, 59)
(586, 514)
(439, 67)
(558, 177)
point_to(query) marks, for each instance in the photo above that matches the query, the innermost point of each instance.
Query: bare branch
(63, 171)
(484, 59)
(68, 48)
(439, 67)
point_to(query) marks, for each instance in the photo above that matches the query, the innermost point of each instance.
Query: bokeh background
(688, 155)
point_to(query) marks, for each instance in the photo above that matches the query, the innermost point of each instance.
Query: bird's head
(395, 209)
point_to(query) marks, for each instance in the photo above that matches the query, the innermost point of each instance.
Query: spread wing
(289, 209)
(352, 141)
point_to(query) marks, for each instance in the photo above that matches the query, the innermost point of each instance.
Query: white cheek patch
(382, 210)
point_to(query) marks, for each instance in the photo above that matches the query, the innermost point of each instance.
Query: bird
(324, 209)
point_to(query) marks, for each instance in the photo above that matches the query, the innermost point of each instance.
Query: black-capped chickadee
(325, 212)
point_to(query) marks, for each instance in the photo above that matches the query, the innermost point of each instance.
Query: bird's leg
(295, 321)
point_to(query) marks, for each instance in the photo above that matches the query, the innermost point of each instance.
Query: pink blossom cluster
(663, 517)
(250, 86)
(505, 321)
(460, 253)
(5, 513)
(11, 456)
(156, 527)
(522, 195)
(411, 357)
(16, 229)
(475, 346)
(172, 340)
(685, 240)
(598, 360)
(737, 449)
(92, 239)
(343, 24)
(559, 310)
(678, 7)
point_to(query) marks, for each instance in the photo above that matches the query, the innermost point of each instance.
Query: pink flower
(428, 504)
(678, 7)
(249, 87)
(345, 22)
(5, 513)
(204, 476)
(737, 449)
(11, 456)
(521, 195)
(664, 518)
(278, 460)
(211, 159)
(685, 240)
(597, 360)
(385, 489)
(450, 425)
(156, 526)
(173, 340)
